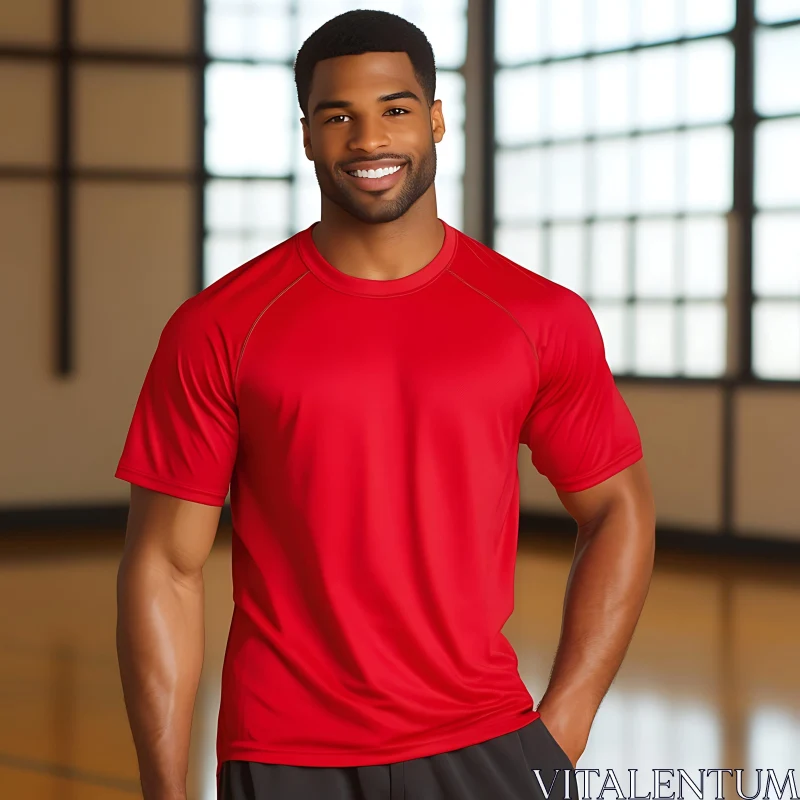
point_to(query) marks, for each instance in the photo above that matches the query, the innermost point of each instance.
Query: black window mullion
(200, 174)
(488, 73)
(744, 121)
(64, 344)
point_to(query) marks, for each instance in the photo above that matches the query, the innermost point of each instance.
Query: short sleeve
(579, 429)
(183, 437)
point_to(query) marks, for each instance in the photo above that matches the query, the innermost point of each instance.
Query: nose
(368, 134)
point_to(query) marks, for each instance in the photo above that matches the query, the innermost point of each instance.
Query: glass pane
(777, 58)
(519, 31)
(307, 201)
(773, 736)
(776, 340)
(224, 204)
(518, 105)
(567, 256)
(445, 28)
(709, 169)
(656, 71)
(259, 243)
(709, 16)
(519, 184)
(704, 342)
(450, 89)
(271, 35)
(566, 180)
(564, 27)
(565, 100)
(776, 255)
(233, 32)
(777, 10)
(778, 163)
(655, 258)
(608, 246)
(611, 24)
(522, 245)
(253, 205)
(656, 173)
(654, 325)
(610, 94)
(244, 136)
(705, 257)
(450, 151)
(223, 253)
(450, 199)
(707, 80)
(226, 33)
(612, 177)
(658, 20)
(611, 319)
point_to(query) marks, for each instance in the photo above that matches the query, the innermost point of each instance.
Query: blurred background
(645, 153)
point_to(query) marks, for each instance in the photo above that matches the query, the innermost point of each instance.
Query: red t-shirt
(369, 431)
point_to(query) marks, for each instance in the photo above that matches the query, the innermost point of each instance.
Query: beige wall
(133, 240)
(134, 263)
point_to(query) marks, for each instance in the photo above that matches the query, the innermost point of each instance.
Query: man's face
(368, 112)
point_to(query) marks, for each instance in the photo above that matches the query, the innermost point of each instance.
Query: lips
(377, 184)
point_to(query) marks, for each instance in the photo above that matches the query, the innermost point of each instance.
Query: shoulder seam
(253, 327)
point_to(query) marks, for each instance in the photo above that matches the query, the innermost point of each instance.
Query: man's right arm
(160, 631)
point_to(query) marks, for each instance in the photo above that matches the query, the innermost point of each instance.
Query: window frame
(740, 298)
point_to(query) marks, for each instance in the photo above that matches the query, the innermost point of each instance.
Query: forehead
(347, 76)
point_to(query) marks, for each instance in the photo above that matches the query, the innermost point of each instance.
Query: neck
(382, 251)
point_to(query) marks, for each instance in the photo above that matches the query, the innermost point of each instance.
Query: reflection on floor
(710, 680)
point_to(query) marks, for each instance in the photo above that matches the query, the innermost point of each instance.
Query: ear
(437, 121)
(307, 139)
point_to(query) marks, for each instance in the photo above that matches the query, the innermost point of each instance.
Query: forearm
(605, 594)
(160, 644)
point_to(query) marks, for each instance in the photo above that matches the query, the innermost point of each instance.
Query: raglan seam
(499, 305)
(253, 327)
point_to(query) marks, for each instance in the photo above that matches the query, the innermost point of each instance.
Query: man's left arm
(605, 593)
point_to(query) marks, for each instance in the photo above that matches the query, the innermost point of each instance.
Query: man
(363, 389)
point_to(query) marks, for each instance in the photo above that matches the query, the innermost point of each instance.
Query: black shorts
(502, 768)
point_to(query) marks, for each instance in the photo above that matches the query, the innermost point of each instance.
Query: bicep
(629, 489)
(168, 531)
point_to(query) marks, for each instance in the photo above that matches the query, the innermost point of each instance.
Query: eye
(338, 116)
(402, 110)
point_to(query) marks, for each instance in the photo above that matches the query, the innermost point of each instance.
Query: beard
(419, 175)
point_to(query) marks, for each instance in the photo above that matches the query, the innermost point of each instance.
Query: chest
(367, 364)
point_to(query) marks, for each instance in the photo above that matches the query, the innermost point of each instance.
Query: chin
(377, 216)
(371, 214)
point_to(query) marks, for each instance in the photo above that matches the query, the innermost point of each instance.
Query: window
(261, 189)
(776, 225)
(614, 167)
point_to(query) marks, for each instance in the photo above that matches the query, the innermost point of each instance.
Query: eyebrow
(324, 105)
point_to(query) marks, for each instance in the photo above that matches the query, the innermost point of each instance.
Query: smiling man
(363, 389)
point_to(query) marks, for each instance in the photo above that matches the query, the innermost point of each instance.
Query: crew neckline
(352, 284)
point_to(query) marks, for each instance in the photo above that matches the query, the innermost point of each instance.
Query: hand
(570, 732)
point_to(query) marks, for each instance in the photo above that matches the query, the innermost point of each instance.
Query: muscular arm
(160, 632)
(606, 590)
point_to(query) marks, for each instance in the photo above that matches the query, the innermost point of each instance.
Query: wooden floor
(712, 678)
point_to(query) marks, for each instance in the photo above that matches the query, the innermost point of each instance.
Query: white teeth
(375, 173)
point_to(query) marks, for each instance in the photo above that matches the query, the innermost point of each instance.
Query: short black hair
(363, 31)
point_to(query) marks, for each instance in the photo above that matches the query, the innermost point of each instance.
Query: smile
(376, 179)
